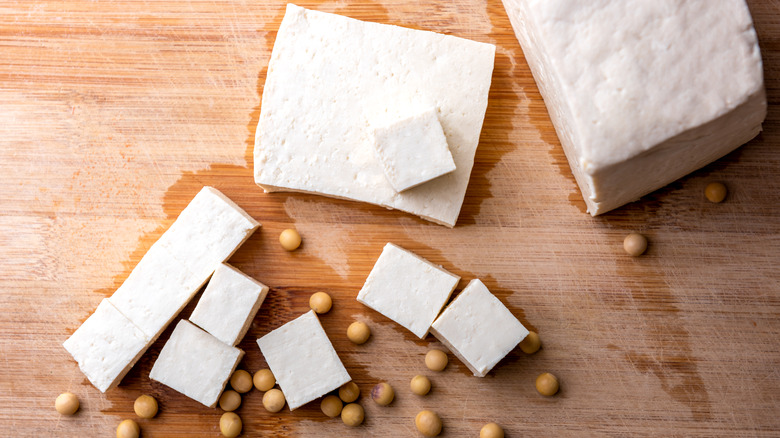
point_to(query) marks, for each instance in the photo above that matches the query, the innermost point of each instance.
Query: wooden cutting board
(114, 114)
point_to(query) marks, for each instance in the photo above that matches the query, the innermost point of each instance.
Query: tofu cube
(229, 304)
(642, 92)
(106, 346)
(413, 150)
(195, 363)
(332, 79)
(303, 360)
(407, 289)
(478, 328)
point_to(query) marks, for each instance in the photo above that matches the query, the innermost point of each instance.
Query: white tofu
(106, 346)
(642, 92)
(207, 232)
(413, 150)
(478, 328)
(303, 360)
(332, 80)
(229, 304)
(195, 363)
(407, 289)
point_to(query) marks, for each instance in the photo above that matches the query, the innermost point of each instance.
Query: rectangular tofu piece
(407, 289)
(229, 304)
(642, 92)
(106, 346)
(303, 360)
(413, 150)
(195, 363)
(478, 328)
(332, 80)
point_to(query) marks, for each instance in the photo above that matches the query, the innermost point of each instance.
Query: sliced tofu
(407, 289)
(195, 363)
(303, 360)
(413, 150)
(332, 80)
(106, 346)
(229, 304)
(478, 328)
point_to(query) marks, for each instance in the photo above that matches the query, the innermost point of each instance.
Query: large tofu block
(303, 360)
(642, 92)
(195, 363)
(332, 80)
(407, 289)
(106, 346)
(478, 328)
(229, 304)
(413, 150)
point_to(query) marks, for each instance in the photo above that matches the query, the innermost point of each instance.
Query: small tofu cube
(229, 304)
(413, 150)
(407, 289)
(303, 360)
(195, 363)
(106, 346)
(478, 328)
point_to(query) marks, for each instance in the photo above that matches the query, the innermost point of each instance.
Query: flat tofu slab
(332, 80)
(407, 289)
(195, 363)
(413, 150)
(229, 304)
(478, 328)
(303, 360)
(106, 346)
(642, 92)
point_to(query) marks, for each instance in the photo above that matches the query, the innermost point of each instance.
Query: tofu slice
(407, 289)
(641, 92)
(413, 150)
(195, 363)
(478, 328)
(303, 360)
(106, 346)
(229, 304)
(332, 80)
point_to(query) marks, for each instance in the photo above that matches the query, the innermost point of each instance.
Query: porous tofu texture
(195, 363)
(413, 150)
(642, 92)
(303, 360)
(106, 346)
(407, 289)
(478, 328)
(229, 304)
(332, 80)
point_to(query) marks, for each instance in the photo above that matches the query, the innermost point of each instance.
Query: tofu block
(407, 289)
(478, 328)
(303, 360)
(106, 346)
(413, 150)
(195, 363)
(229, 304)
(332, 80)
(642, 92)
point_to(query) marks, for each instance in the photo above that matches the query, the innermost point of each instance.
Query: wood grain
(114, 114)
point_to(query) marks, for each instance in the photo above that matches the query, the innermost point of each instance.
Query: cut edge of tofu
(230, 202)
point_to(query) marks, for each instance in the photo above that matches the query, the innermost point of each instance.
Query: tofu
(195, 363)
(478, 328)
(642, 93)
(303, 360)
(407, 289)
(229, 304)
(332, 80)
(106, 346)
(413, 150)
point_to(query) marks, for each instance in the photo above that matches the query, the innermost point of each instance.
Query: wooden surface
(113, 114)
